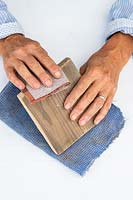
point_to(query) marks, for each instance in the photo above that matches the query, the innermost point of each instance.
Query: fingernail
(82, 122)
(36, 85)
(58, 74)
(73, 116)
(48, 82)
(67, 106)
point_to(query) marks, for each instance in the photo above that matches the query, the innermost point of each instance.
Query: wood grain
(52, 119)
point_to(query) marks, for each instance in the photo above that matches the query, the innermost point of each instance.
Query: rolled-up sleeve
(121, 18)
(8, 24)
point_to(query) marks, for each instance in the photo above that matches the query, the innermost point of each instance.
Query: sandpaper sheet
(36, 95)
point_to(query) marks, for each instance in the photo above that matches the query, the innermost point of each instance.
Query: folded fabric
(80, 156)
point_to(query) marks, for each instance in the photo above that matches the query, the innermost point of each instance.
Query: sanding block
(50, 117)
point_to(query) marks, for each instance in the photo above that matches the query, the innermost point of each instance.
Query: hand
(94, 92)
(26, 58)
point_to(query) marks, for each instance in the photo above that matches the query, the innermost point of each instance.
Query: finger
(84, 82)
(103, 112)
(86, 100)
(92, 110)
(14, 79)
(26, 74)
(47, 62)
(38, 70)
(97, 104)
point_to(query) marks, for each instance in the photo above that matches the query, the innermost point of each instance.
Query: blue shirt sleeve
(8, 23)
(121, 18)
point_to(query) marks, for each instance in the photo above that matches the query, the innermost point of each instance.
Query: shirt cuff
(10, 28)
(120, 25)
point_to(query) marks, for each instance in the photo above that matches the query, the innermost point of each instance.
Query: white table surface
(75, 29)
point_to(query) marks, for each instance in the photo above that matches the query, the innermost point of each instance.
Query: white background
(73, 28)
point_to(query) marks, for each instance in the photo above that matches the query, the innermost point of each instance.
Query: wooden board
(52, 119)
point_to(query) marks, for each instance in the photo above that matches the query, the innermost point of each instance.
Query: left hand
(97, 86)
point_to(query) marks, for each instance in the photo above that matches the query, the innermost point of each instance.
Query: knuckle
(91, 73)
(71, 99)
(53, 67)
(96, 71)
(43, 56)
(20, 52)
(99, 102)
(80, 88)
(106, 78)
(31, 63)
(19, 67)
(29, 78)
(88, 96)
(79, 109)
(44, 77)
(48, 60)
(82, 84)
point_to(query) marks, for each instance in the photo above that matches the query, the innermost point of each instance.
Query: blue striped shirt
(120, 19)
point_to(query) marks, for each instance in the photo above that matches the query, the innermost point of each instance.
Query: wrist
(120, 48)
(5, 40)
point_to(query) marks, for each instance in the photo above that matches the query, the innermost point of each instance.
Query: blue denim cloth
(80, 156)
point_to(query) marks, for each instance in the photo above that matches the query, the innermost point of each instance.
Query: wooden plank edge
(20, 96)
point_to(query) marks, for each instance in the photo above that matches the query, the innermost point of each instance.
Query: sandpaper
(36, 95)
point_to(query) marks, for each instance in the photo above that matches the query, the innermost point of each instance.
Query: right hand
(26, 58)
